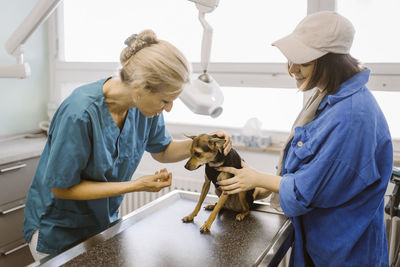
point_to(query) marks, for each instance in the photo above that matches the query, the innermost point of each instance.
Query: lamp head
(203, 96)
(206, 6)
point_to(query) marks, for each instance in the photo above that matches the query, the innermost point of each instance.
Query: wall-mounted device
(15, 44)
(202, 95)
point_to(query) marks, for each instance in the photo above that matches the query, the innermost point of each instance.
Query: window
(243, 33)
(250, 71)
(243, 30)
(389, 103)
(376, 23)
(265, 104)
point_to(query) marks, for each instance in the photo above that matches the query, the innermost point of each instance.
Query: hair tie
(131, 39)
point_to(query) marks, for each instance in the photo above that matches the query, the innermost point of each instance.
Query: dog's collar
(215, 164)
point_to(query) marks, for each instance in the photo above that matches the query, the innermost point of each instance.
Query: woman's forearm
(175, 151)
(86, 190)
(270, 182)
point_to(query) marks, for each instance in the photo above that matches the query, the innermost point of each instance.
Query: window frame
(384, 76)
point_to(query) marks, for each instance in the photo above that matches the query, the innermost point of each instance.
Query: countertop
(21, 147)
(154, 235)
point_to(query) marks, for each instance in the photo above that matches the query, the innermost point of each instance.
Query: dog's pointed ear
(190, 136)
(218, 143)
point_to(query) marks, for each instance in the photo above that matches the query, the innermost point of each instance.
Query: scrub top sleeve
(69, 151)
(159, 138)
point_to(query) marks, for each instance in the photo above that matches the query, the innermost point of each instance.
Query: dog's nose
(187, 166)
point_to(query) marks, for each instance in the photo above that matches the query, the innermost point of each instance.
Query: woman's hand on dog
(156, 182)
(228, 140)
(244, 179)
(248, 178)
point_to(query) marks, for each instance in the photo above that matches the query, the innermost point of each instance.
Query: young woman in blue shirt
(96, 140)
(336, 164)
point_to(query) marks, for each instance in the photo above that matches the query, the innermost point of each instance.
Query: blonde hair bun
(137, 42)
(152, 63)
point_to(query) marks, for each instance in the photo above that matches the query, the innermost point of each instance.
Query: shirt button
(299, 144)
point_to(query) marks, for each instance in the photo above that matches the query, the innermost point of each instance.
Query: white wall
(23, 102)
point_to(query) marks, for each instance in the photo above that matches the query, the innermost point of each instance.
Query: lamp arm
(14, 44)
(38, 14)
(203, 95)
(206, 41)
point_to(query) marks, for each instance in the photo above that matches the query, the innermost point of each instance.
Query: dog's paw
(204, 229)
(188, 219)
(209, 207)
(241, 216)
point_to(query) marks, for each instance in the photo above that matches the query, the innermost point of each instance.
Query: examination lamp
(15, 44)
(203, 95)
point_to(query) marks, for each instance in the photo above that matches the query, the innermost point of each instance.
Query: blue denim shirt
(85, 143)
(335, 173)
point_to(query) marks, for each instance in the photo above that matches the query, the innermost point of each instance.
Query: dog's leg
(222, 199)
(204, 191)
(207, 225)
(245, 207)
(210, 207)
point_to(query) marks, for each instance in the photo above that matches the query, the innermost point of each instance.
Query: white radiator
(135, 200)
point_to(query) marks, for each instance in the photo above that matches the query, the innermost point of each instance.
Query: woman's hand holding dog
(247, 178)
(244, 179)
(156, 182)
(228, 141)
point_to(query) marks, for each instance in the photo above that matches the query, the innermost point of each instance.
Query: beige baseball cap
(316, 35)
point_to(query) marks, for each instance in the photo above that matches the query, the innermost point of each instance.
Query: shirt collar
(348, 88)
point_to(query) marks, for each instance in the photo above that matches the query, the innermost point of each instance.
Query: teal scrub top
(84, 143)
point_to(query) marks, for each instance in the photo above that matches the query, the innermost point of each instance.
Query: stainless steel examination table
(155, 235)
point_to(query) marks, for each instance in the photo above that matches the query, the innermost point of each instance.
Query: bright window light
(243, 32)
(95, 30)
(377, 26)
(389, 103)
(277, 109)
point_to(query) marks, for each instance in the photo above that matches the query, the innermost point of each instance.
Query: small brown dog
(208, 149)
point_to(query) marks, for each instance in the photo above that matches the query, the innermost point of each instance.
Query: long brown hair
(331, 70)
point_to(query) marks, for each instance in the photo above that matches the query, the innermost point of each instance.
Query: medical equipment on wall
(15, 44)
(202, 95)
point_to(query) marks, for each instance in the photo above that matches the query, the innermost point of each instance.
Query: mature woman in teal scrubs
(96, 140)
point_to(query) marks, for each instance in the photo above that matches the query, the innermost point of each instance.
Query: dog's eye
(197, 154)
